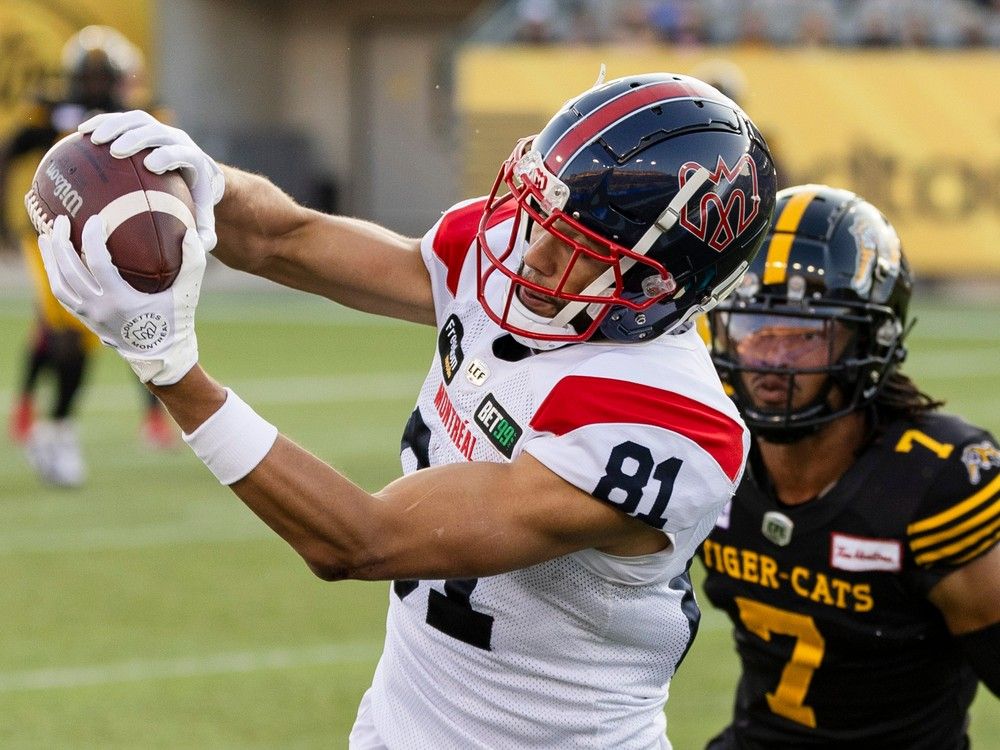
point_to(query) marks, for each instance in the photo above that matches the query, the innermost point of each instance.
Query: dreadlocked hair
(900, 397)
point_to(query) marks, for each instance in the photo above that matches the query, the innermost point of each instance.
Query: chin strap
(521, 317)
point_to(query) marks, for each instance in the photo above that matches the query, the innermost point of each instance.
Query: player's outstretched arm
(356, 263)
(453, 521)
(253, 226)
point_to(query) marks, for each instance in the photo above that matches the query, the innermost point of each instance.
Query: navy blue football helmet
(828, 295)
(659, 178)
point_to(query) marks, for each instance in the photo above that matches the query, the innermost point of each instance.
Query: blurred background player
(103, 73)
(858, 560)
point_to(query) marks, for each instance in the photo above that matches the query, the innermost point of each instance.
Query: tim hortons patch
(860, 553)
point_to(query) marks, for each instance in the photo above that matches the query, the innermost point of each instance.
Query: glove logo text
(146, 331)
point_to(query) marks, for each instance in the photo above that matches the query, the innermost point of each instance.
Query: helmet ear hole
(654, 286)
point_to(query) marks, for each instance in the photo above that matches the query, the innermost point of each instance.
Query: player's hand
(153, 332)
(131, 132)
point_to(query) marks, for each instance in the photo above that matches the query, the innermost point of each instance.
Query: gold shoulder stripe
(978, 550)
(958, 547)
(954, 512)
(776, 258)
(977, 520)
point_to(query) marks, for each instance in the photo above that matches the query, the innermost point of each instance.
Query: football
(146, 214)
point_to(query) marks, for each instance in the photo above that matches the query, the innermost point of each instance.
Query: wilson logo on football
(734, 210)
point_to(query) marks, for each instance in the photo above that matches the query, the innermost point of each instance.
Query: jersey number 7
(788, 698)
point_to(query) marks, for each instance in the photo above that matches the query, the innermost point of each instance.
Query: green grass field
(151, 610)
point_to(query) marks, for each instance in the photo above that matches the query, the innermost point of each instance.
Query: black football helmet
(827, 295)
(661, 179)
(97, 61)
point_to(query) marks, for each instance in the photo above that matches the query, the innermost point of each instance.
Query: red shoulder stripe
(577, 401)
(457, 233)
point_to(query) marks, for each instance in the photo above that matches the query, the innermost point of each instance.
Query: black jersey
(838, 643)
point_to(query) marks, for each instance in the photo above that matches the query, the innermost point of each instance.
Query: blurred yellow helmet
(724, 75)
(97, 61)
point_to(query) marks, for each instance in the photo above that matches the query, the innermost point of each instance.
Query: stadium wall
(347, 106)
(913, 131)
(357, 93)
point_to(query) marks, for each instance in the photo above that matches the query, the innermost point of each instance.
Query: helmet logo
(733, 214)
(876, 259)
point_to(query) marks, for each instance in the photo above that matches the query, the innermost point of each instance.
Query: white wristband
(232, 441)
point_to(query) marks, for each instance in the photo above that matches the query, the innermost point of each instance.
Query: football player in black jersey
(101, 69)
(858, 560)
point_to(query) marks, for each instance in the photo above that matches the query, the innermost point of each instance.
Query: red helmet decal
(733, 214)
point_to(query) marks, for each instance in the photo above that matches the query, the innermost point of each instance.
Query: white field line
(357, 389)
(295, 390)
(145, 670)
(101, 539)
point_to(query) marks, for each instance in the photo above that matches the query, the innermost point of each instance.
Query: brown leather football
(146, 214)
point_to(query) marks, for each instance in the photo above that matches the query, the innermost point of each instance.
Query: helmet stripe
(780, 244)
(591, 125)
(603, 283)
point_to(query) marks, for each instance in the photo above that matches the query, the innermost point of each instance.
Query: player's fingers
(204, 179)
(167, 158)
(204, 218)
(193, 255)
(107, 127)
(92, 124)
(57, 282)
(73, 270)
(94, 239)
(206, 184)
(148, 135)
(60, 289)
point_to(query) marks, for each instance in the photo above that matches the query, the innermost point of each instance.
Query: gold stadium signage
(915, 132)
(32, 35)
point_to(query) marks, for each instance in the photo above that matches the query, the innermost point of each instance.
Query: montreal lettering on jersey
(456, 427)
(760, 569)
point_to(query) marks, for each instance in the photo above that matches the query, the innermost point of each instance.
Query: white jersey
(577, 651)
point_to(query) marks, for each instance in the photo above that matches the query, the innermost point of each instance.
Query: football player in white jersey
(571, 445)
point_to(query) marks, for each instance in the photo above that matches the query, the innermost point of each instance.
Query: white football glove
(131, 132)
(153, 332)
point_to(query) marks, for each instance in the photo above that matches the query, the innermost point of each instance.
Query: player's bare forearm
(292, 491)
(445, 522)
(356, 263)
(448, 521)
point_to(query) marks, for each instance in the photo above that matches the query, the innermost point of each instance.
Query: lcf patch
(502, 431)
(450, 347)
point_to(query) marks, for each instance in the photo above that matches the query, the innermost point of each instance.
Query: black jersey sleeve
(958, 519)
(36, 132)
(30, 139)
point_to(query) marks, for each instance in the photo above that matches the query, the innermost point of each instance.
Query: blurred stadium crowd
(850, 23)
